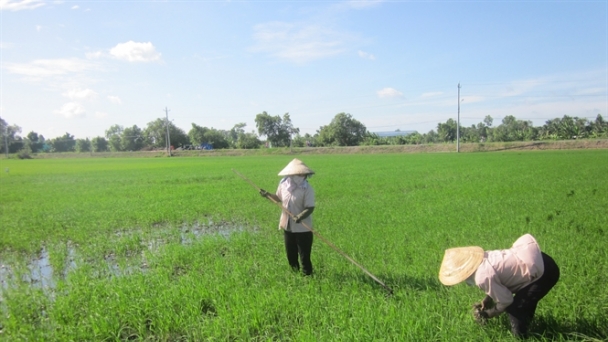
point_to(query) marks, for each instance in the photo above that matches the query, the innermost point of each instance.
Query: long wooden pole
(390, 291)
(458, 123)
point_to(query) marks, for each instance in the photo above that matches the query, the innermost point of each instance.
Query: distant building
(396, 133)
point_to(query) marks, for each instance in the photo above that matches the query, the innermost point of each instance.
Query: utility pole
(167, 125)
(458, 123)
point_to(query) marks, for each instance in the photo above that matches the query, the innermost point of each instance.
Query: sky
(80, 67)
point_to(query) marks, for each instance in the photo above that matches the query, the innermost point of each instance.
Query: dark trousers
(522, 310)
(299, 244)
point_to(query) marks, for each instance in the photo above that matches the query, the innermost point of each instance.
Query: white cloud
(366, 55)
(135, 52)
(389, 92)
(12, 5)
(431, 94)
(75, 7)
(114, 99)
(101, 115)
(94, 55)
(71, 110)
(38, 28)
(298, 43)
(80, 94)
(49, 67)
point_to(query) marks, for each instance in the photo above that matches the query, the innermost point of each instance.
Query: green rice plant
(173, 249)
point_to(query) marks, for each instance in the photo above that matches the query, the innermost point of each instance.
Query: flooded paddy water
(42, 271)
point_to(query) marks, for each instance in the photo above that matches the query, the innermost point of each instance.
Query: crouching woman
(514, 279)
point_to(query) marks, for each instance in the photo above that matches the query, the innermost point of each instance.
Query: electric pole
(167, 125)
(458, 123)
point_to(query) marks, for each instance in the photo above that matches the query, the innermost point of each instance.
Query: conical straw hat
(296, 167)
(459, 263)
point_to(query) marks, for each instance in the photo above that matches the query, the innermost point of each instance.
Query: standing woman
(297, 196)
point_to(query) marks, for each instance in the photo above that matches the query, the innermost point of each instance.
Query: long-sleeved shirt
(295, 198)
(504, 272)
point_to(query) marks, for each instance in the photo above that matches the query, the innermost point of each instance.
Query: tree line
(278, 131)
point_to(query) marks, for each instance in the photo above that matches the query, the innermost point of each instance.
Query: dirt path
(428, 148)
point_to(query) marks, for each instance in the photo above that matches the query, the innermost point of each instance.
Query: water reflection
(41, 273)
(5, 275)
(190, 233)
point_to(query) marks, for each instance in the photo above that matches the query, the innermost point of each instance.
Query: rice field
(182, 249)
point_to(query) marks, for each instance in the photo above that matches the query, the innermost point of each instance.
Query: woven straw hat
(296, 167)
(459, 263)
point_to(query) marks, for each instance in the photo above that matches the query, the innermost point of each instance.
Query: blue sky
(83, 66)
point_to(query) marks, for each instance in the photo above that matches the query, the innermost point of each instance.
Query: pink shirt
(504, 272)
(295, 198)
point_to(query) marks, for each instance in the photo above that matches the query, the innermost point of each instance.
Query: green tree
(415, 138)
(470, 134)
(248, 141)
(202, 135)
(113, 134)
(343, 130)
(155, 134)
(197, 134)
(430, 137)
(488, 121)
(447, 131)
(288, 127)
(373, 139)
(9, 133)
(550, 129)
(99, 144)
(305, 140)
(240, 139)
(216, 138)
(65, 143)
(236, 131)
(131, 139)
(483, 131)
(599, 127)
(83, 145)
(566, 128)
(34, 141)
(512, 129)
(277, 130)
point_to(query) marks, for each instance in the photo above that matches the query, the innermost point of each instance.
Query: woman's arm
(304, 214)
(272, 197)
